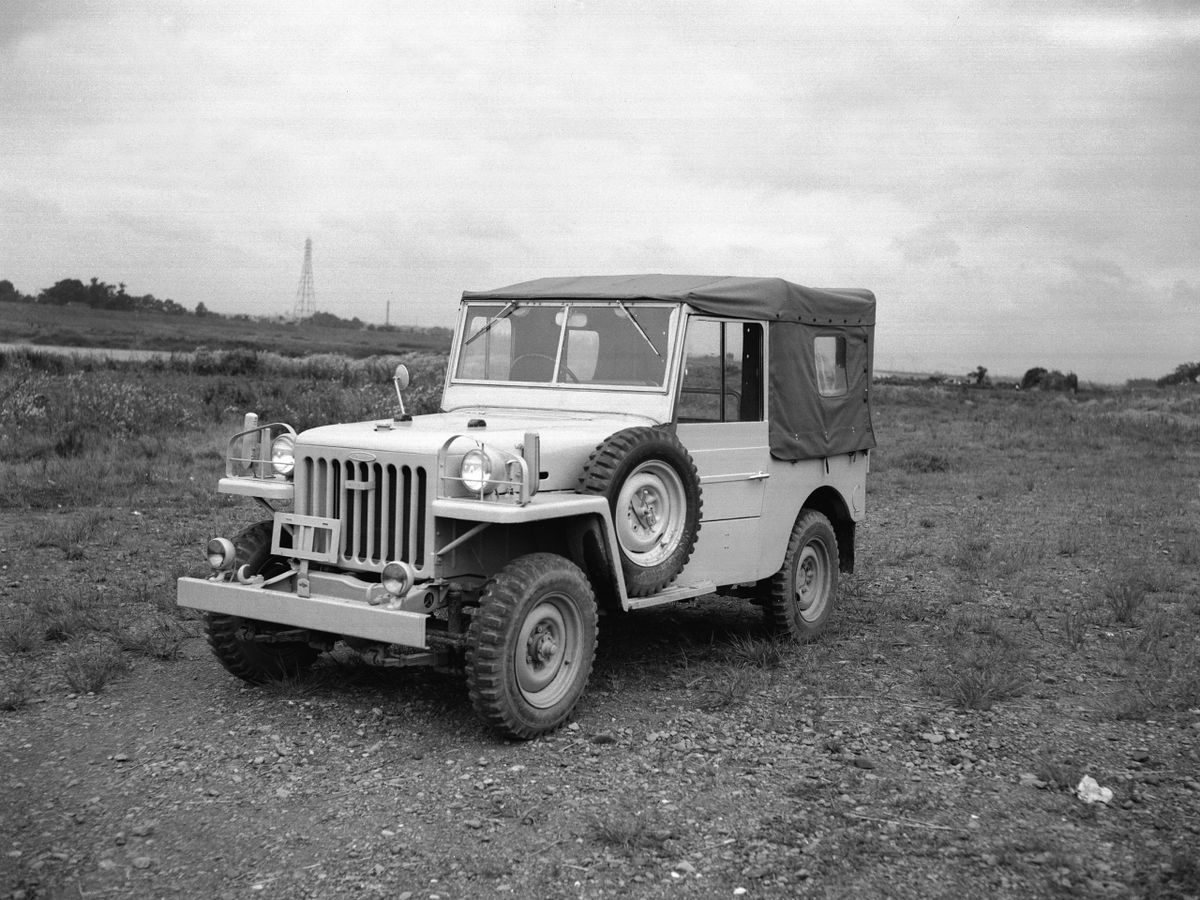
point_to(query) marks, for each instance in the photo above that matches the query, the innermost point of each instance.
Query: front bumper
(333, 615)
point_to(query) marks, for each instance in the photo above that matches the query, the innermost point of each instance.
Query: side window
(829, 353)
(722, 380)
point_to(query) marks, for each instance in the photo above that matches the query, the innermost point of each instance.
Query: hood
(567, 438)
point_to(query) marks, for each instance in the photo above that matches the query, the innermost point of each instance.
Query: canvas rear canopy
(809, 413)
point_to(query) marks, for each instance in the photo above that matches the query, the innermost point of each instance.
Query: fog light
(221, 554)
(398, 577)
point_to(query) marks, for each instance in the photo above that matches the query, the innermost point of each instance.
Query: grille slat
(382, 507)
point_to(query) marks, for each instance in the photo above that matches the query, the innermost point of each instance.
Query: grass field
(1026, 610)
(84, 327)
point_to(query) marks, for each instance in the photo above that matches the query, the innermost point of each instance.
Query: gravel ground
(930, 745)
(693, 777)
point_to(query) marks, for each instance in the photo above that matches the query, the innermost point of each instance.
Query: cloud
(976, 166)
(927, 245)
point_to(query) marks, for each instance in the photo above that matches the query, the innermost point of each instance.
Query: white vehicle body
(391, 533)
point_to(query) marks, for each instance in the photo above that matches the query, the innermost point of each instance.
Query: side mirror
(401, 380)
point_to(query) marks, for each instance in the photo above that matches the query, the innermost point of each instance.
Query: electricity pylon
(306, 298)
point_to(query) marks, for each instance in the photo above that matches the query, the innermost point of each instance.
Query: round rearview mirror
(401, 377)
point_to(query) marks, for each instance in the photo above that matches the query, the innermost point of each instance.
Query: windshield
(603, 344)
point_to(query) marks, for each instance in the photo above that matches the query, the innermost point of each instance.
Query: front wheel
(799, 599)
(250, 660)
(531, 644)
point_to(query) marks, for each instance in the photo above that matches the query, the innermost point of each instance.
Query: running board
(673, 594)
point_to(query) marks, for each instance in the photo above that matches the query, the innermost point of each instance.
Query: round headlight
(220, 553)
(476, 470)
(283, 454)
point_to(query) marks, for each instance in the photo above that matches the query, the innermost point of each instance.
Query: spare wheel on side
(653, 490)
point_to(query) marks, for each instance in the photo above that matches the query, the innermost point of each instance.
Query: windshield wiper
(638, 326)
(503, 314)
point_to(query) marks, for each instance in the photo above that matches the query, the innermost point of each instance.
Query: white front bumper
(317, 613)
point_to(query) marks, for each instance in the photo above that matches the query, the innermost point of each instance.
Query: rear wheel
(799, 599)
(251, 660)
(531, 644)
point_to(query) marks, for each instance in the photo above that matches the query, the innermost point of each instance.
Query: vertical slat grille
(382, 507)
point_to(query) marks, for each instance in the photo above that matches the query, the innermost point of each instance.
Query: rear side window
(829, 353)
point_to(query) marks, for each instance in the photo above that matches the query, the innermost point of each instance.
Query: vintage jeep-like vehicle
(605, 444)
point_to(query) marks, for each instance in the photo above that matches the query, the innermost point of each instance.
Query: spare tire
(653, 492)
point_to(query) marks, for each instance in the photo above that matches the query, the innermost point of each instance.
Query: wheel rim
(548, 646)
(650, 513)
(813, 580)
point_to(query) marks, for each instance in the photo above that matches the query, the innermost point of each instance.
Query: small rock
(142, 862)
(473, 824)
(1028, 779)
(933, 737)
(604, 737)
(863, 762)
(1192, 785)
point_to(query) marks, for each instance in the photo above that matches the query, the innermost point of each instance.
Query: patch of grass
(1187, 552)
(62, 618)
(68, 533)
(971, 553)
(89, 666)
(1075, 622)
(757, 652)
(985, 664)
(1060, 773)
(159, 637)
(16, 688)
(1124, 598)
(1070, 542)
(922, 460)
(22, 633)
(629, 828)
(731, 689)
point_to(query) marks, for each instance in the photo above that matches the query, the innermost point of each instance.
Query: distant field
(81, 326)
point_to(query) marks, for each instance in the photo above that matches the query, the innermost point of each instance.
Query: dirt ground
(704, 760)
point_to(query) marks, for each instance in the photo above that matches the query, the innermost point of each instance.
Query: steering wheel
(571, 376)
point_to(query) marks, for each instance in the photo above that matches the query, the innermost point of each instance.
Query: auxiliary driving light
(398, 577)
(221, 554)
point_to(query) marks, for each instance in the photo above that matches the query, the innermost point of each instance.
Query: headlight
(476, 471)
(283, 454)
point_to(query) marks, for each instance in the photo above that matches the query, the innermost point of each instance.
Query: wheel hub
(542, 646)
(645, 508)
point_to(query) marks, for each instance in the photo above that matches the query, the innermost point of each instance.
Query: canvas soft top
(803, 423)
(771, 299)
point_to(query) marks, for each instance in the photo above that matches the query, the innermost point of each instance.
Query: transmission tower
(306, 298)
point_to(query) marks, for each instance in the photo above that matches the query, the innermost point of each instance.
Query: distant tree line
(1038, 378)
(1185, 373)
(99, 295)
(95, 294)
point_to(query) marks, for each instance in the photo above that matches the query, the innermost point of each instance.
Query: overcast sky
(1017, 182)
